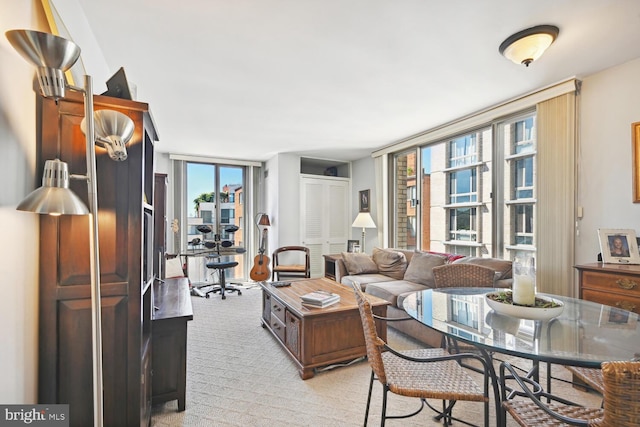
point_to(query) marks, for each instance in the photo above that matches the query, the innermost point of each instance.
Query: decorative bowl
(526, 312)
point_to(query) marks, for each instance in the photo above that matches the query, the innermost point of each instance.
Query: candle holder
(524, 282)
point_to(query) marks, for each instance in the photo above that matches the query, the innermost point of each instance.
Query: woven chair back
(621, 394)
(373, 343)
(463, 275)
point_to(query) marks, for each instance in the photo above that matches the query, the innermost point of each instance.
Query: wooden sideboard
(611, 284)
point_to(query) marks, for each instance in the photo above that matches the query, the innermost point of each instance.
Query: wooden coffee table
(316, 337)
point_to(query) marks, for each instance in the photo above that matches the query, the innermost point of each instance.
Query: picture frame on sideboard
(618, 246)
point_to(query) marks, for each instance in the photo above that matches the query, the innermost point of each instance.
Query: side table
(330, 265)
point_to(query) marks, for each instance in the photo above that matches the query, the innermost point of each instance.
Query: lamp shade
(264, 220)
(528, 45)
(112, 131)
(364, 220)
(54, 197)
(52, 55)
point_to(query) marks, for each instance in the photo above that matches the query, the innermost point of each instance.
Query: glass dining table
(584, 334)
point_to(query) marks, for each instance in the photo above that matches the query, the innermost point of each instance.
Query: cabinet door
(324, 220)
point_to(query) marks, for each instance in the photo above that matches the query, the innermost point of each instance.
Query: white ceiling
(247, 79)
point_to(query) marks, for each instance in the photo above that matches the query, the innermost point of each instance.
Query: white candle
(524, 292)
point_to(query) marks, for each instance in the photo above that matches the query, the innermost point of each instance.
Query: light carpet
(238, 375)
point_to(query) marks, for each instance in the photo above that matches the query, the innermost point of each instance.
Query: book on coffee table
(319, 299)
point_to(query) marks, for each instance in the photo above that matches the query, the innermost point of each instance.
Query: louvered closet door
(324, 222)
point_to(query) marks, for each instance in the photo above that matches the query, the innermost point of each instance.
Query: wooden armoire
(125, 213)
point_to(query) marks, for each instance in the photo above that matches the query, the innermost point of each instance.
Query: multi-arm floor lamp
(53, 56)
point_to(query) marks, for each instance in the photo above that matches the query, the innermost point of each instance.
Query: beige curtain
(556, 190)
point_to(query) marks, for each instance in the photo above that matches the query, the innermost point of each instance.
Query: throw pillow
(390, 263)
(358, 263)
(420, 266)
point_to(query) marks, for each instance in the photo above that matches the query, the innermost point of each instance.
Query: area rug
(238, 375)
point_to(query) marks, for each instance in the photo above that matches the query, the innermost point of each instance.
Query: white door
(325, 222)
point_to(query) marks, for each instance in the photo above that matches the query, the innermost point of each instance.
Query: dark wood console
(172, 311)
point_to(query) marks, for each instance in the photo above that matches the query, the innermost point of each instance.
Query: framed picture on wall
(364, 201)
(619, 246)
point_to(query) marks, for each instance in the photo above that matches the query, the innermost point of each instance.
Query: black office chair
(215, 263)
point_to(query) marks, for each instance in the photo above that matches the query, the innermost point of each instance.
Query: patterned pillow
(390, 263)
(420, 266)
(357, 263)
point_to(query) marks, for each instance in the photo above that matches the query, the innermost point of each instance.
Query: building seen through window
(445, 197)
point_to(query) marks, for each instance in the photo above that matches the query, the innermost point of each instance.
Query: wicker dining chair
(591, 377)
(621, 407)
(463, 275)
(422, 373)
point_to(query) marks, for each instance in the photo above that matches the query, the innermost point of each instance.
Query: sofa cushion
(363, 279)
(419, 268)
(357, 263)
(502, 267)
(391, 290)
(391, 263)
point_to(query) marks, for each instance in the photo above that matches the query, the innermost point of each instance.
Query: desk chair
(289, 269)
(222, 285)
(215, 263)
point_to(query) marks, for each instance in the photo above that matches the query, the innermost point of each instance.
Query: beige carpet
(237, 375)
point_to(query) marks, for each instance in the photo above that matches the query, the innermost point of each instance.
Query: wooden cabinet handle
(625, 305)
(626, 284)
(276, 308)
(276, 325)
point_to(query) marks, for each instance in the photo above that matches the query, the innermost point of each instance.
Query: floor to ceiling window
(214, 198)
(472, 194)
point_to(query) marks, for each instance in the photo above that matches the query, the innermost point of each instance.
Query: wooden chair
(621, 406)
(425, 373)
(288, 268)
(463, 275)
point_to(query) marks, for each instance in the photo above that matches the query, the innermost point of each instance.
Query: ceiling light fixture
(528, 45)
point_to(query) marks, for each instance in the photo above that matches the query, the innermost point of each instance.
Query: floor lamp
(363, 220)
(54, 55)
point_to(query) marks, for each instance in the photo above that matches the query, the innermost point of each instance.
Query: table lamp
(364, 220)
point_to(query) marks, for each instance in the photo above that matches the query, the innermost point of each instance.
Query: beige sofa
(392, 274)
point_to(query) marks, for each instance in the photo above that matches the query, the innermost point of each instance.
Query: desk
(585, 334)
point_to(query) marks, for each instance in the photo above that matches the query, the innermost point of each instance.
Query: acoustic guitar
(260, 271)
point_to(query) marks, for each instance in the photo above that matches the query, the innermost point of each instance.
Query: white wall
(610, 103)
(284, 204)
(19, 231)
(363, 178)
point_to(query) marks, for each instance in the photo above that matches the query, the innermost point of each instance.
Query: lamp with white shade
(364, 221)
